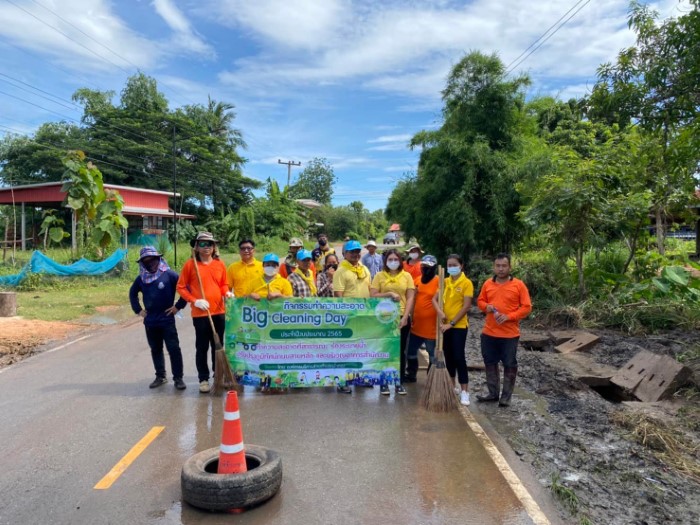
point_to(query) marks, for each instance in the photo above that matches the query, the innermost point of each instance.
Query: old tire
(202, 487)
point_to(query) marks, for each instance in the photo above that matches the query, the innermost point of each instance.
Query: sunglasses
(205, 244)
(246, 248)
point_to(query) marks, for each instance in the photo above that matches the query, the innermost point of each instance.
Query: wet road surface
(68, 416)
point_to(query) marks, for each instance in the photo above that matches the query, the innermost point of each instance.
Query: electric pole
(289, 164)
(174, 201)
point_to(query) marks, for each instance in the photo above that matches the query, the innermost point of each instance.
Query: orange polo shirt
(424, 313)
(510, 298)
(213, 281)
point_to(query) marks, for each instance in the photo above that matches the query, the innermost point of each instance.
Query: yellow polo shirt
(350, 283)
(453, 299)
(277, 284)
(240, 275)
(402, 282)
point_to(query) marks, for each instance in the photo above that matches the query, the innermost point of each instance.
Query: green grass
(564, 494)
(52, 298)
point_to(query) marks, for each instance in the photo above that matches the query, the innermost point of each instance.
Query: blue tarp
(40, 263)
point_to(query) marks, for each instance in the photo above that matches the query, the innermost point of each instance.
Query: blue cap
(352, 245)
(148, 251)
(428, 260)
(271, 257)
(303, 254)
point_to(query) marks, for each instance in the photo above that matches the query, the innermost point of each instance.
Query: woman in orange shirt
(213, 273)
(424, 317)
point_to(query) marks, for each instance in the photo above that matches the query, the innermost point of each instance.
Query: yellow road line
(531, 506)
(128, 459)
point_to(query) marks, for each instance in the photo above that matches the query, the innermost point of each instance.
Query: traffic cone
(232, 450)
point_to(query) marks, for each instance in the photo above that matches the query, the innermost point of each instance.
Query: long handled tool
(223, 376)
(438, 394)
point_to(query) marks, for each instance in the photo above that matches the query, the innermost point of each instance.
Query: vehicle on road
(391, 238)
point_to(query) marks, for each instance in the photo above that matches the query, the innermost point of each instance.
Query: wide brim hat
(296, 241)
(148, 251)
(203, 236)
(371, 243)
(413, 247)
(429, 260)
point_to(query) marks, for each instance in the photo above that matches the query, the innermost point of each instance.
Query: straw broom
(223, 376)
(438, 394)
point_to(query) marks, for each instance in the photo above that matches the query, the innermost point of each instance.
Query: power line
(510, 69)
(289, 164)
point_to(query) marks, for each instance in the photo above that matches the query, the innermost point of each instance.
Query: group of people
(412, 281)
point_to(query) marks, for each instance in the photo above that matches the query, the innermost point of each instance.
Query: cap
(429, 260)
(271, 257)
(203, 236)
(296, 241)
(413, 247)
(303, 254)
(352, 245)
(148, 251)
(371, 243)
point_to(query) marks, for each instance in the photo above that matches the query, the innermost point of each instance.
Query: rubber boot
(509, 375)
(411, 370)
(492, 383)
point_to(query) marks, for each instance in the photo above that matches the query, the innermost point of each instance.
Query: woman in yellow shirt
(271, 285)
(397, 284)
(456, 302)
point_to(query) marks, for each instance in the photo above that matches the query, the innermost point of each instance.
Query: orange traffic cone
(232, 450)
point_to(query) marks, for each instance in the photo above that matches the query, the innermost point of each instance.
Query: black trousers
(454, 343)
(405, 332)
(204, 339)
(503, 349)
(156, 336)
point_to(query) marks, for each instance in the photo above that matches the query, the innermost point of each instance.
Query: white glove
(202, 304)
(229, 295)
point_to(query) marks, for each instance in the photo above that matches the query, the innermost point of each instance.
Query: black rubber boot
(492, 383)
(509, 375)
(411, 370)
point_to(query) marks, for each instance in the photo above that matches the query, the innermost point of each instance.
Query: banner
(312, 341)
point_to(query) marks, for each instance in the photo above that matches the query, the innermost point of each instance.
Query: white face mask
(270, 270)
(454, 270)
(393, 265)
(413, 256)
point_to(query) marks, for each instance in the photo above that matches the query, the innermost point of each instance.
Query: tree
(315, 182)
(463, 197)
(654, 85)
(277, 215)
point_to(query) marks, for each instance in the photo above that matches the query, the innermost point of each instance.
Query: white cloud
(39, 30)
(185, 38)
(391, 142)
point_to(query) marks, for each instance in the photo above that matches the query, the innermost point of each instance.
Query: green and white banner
(307, 342)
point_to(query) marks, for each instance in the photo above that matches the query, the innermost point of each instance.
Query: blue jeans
(156, 336)
(495, 349)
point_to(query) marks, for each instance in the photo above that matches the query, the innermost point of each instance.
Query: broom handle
(441, 288)
(217, 341)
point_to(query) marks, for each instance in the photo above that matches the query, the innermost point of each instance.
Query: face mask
(322, 242)
(428, 272)
(393, 265)
(413, 256)
(454, 270)
(151, 266)
(334, 266)
(270, 270)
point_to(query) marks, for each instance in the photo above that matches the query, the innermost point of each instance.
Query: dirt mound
(588, 450)
(20, 338)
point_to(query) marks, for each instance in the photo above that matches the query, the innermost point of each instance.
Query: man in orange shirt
(505, 300)
(215, 287)
(423, 329)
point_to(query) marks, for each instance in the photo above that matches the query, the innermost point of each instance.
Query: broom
(438, 394)
(223, 376)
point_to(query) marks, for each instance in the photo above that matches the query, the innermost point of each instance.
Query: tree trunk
(660, 231)
(8, 304)
(579, 268)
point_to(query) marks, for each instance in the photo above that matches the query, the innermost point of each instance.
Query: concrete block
(562, 336)
(580, 341)
(651, 377)
(532, 340)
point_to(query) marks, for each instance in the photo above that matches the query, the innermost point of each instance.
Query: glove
(202, 304)
(229, 295)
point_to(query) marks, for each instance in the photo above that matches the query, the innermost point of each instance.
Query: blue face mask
(454, 270)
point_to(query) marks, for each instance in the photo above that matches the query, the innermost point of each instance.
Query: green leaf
(57, 234)
(661, 285)
(676, 274)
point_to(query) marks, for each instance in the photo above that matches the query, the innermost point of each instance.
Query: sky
(348, 80)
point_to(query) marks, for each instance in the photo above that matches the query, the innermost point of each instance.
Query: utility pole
(174, 201)
(289, 164)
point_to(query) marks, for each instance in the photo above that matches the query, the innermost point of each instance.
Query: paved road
(66, 418)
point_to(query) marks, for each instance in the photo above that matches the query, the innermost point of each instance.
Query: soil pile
(20, 338)
(605, 462)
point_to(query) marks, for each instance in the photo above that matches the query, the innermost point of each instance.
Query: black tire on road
(212, 491)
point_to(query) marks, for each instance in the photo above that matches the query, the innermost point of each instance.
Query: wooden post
(8, 304)
(24, 228)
